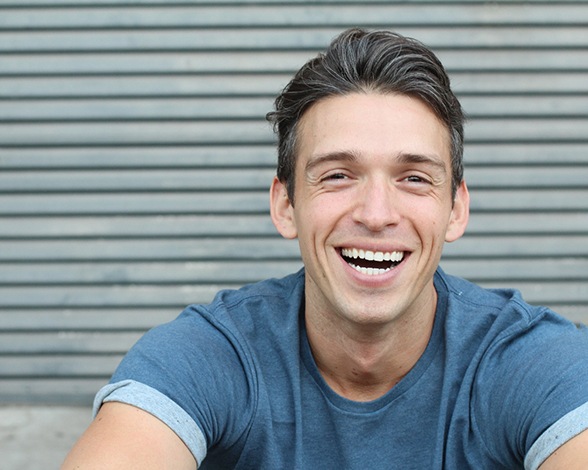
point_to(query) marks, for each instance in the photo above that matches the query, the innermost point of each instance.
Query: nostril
(377, 216)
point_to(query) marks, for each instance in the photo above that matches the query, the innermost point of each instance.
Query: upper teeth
(372, 255)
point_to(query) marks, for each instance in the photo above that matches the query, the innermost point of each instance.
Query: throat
(359, 386)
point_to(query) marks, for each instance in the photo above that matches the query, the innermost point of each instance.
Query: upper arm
(124, 437)
(573, 455)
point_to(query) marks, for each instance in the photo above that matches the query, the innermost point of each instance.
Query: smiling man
(371, 356)
(374, 205)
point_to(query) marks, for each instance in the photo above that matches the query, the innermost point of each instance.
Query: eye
(416, 179)
(335, 176)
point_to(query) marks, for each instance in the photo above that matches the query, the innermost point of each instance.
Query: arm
(573, 455)
(125, 437)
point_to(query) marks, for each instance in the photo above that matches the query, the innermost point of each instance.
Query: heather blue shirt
(501, 384)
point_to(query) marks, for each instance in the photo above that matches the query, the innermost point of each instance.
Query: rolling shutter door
(135, 161)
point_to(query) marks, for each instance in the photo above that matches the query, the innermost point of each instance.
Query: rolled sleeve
(569, 426)
(159, 405)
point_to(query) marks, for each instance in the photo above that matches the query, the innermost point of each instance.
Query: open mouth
(372, 263)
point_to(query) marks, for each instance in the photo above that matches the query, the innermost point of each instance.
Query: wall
(135, 161)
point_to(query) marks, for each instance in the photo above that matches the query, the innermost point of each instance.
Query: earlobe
(281, 210)
(460, 214)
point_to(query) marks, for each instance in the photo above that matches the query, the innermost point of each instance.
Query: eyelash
(335, 176)
(414, 179)
(417, 179)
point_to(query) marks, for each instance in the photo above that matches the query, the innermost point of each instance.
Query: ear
(460, 214)
(281, 210)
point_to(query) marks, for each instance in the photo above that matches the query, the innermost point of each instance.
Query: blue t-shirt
(501, 384)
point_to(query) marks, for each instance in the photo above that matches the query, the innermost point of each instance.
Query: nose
(377, 205)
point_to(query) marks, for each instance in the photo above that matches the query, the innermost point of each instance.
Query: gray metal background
(135, 161)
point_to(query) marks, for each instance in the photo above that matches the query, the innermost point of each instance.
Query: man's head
(359, 61)
(370, 145)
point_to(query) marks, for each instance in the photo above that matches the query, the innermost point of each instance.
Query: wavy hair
(362, 61)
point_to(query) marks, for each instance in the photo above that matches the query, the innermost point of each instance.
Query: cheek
(321, 212)
(428, 222)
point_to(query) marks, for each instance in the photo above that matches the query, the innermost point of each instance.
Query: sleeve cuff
(569, 426)
(159, 405)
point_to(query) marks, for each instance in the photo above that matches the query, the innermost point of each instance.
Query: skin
(373, 173)
(573, 455)
(124, 437)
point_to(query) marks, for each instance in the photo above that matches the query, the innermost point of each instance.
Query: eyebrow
(417, 158)
(342, 156)
(403, 158)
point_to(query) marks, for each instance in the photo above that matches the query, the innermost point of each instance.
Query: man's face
(373, 206)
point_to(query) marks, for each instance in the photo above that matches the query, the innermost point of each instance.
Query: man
(371, 357)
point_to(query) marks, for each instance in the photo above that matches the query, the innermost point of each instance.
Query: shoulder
(176, 365)
(227, 334)
(275, 291)
(227, 321)
(272, 304)
(503, 312)
(529, 363)
(503, 323)
(467, 296)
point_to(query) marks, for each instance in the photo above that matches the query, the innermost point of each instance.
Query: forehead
(372, 124)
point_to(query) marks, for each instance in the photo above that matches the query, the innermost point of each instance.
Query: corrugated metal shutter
(135, 161)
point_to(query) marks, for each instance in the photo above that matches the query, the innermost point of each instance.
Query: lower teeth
(370, 271)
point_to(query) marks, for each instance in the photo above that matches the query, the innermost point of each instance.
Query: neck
(363, 363)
